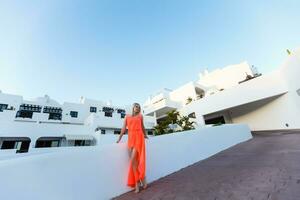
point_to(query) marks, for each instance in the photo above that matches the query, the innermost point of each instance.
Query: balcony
(161, 107)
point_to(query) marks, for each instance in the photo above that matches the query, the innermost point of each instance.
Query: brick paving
(263, 168)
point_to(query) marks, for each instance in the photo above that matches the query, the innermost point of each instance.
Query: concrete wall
(270, 114)
(182, 93)
(100, 172)
(226, 77)
(277, 112)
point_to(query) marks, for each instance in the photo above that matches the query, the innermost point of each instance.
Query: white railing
(161, 104)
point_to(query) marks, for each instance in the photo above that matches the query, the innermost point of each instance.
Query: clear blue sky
(124, 50)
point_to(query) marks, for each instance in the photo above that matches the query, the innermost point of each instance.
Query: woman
(136, 147)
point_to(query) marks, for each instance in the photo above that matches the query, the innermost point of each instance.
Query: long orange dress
(136, 140)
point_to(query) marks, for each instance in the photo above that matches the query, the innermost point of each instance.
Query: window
(10, 144)
(82, 143)
(107, 109)
(3, 107)
(192, 115)
(44, 142)
(74, 114)
(27, 110)
(20, 144)
(55, 113)
(102, 131)
(117, 132)
(123, 115)
(93, 109)
(54, 116)
(24, 114)
(120, 111)
(150, 132)
(108, 114)
(30, 107)
(215, 120)
(79, 142)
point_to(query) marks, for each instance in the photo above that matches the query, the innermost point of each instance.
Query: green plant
(185, 123)
(173, 117)
(161, 128)
(189, 100)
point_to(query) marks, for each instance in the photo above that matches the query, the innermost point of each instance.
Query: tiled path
(265, 167)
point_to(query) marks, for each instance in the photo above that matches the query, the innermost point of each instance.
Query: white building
(237, 94)
(43, 122)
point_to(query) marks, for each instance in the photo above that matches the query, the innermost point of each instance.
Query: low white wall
(100, 172)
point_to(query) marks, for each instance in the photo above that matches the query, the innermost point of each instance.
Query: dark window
(150, 132)
(102, 131)
(108, 114)
(117, 132)
(30, 107)
(3, 107)
(42, 143)
(55, 113)
(55, 116)
(120, 111)
(74, 114)
(24, 114)
(22, 145)
(123, 115)
(216, 120)
(9, 145)
(48, 109)
(192, 115)
(79, 143)
(27, 110)
(93, 109)
(107, 109)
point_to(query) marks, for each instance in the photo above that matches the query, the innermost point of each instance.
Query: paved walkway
(265, 167)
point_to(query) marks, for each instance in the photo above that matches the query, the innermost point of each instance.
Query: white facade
(44, 118)
(238, 94)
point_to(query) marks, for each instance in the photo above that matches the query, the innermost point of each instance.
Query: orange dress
(136, 140)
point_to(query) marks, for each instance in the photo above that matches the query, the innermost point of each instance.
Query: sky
(126, 50)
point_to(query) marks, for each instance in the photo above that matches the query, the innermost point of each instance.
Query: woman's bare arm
(123, 130)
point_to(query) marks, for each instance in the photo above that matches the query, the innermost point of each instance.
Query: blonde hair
(133, 105)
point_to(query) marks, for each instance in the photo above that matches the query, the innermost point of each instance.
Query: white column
(200, 120)
(155, 123)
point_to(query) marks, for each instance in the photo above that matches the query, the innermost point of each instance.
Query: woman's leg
(144, 182)
(129, 152)
(134, 167)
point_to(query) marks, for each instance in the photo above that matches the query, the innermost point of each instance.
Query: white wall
(226, 77)
(290, 71)
(283, 110)
(182, 93)
(268, 115)
(11, 100)
(35, 130)
(100, 172)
